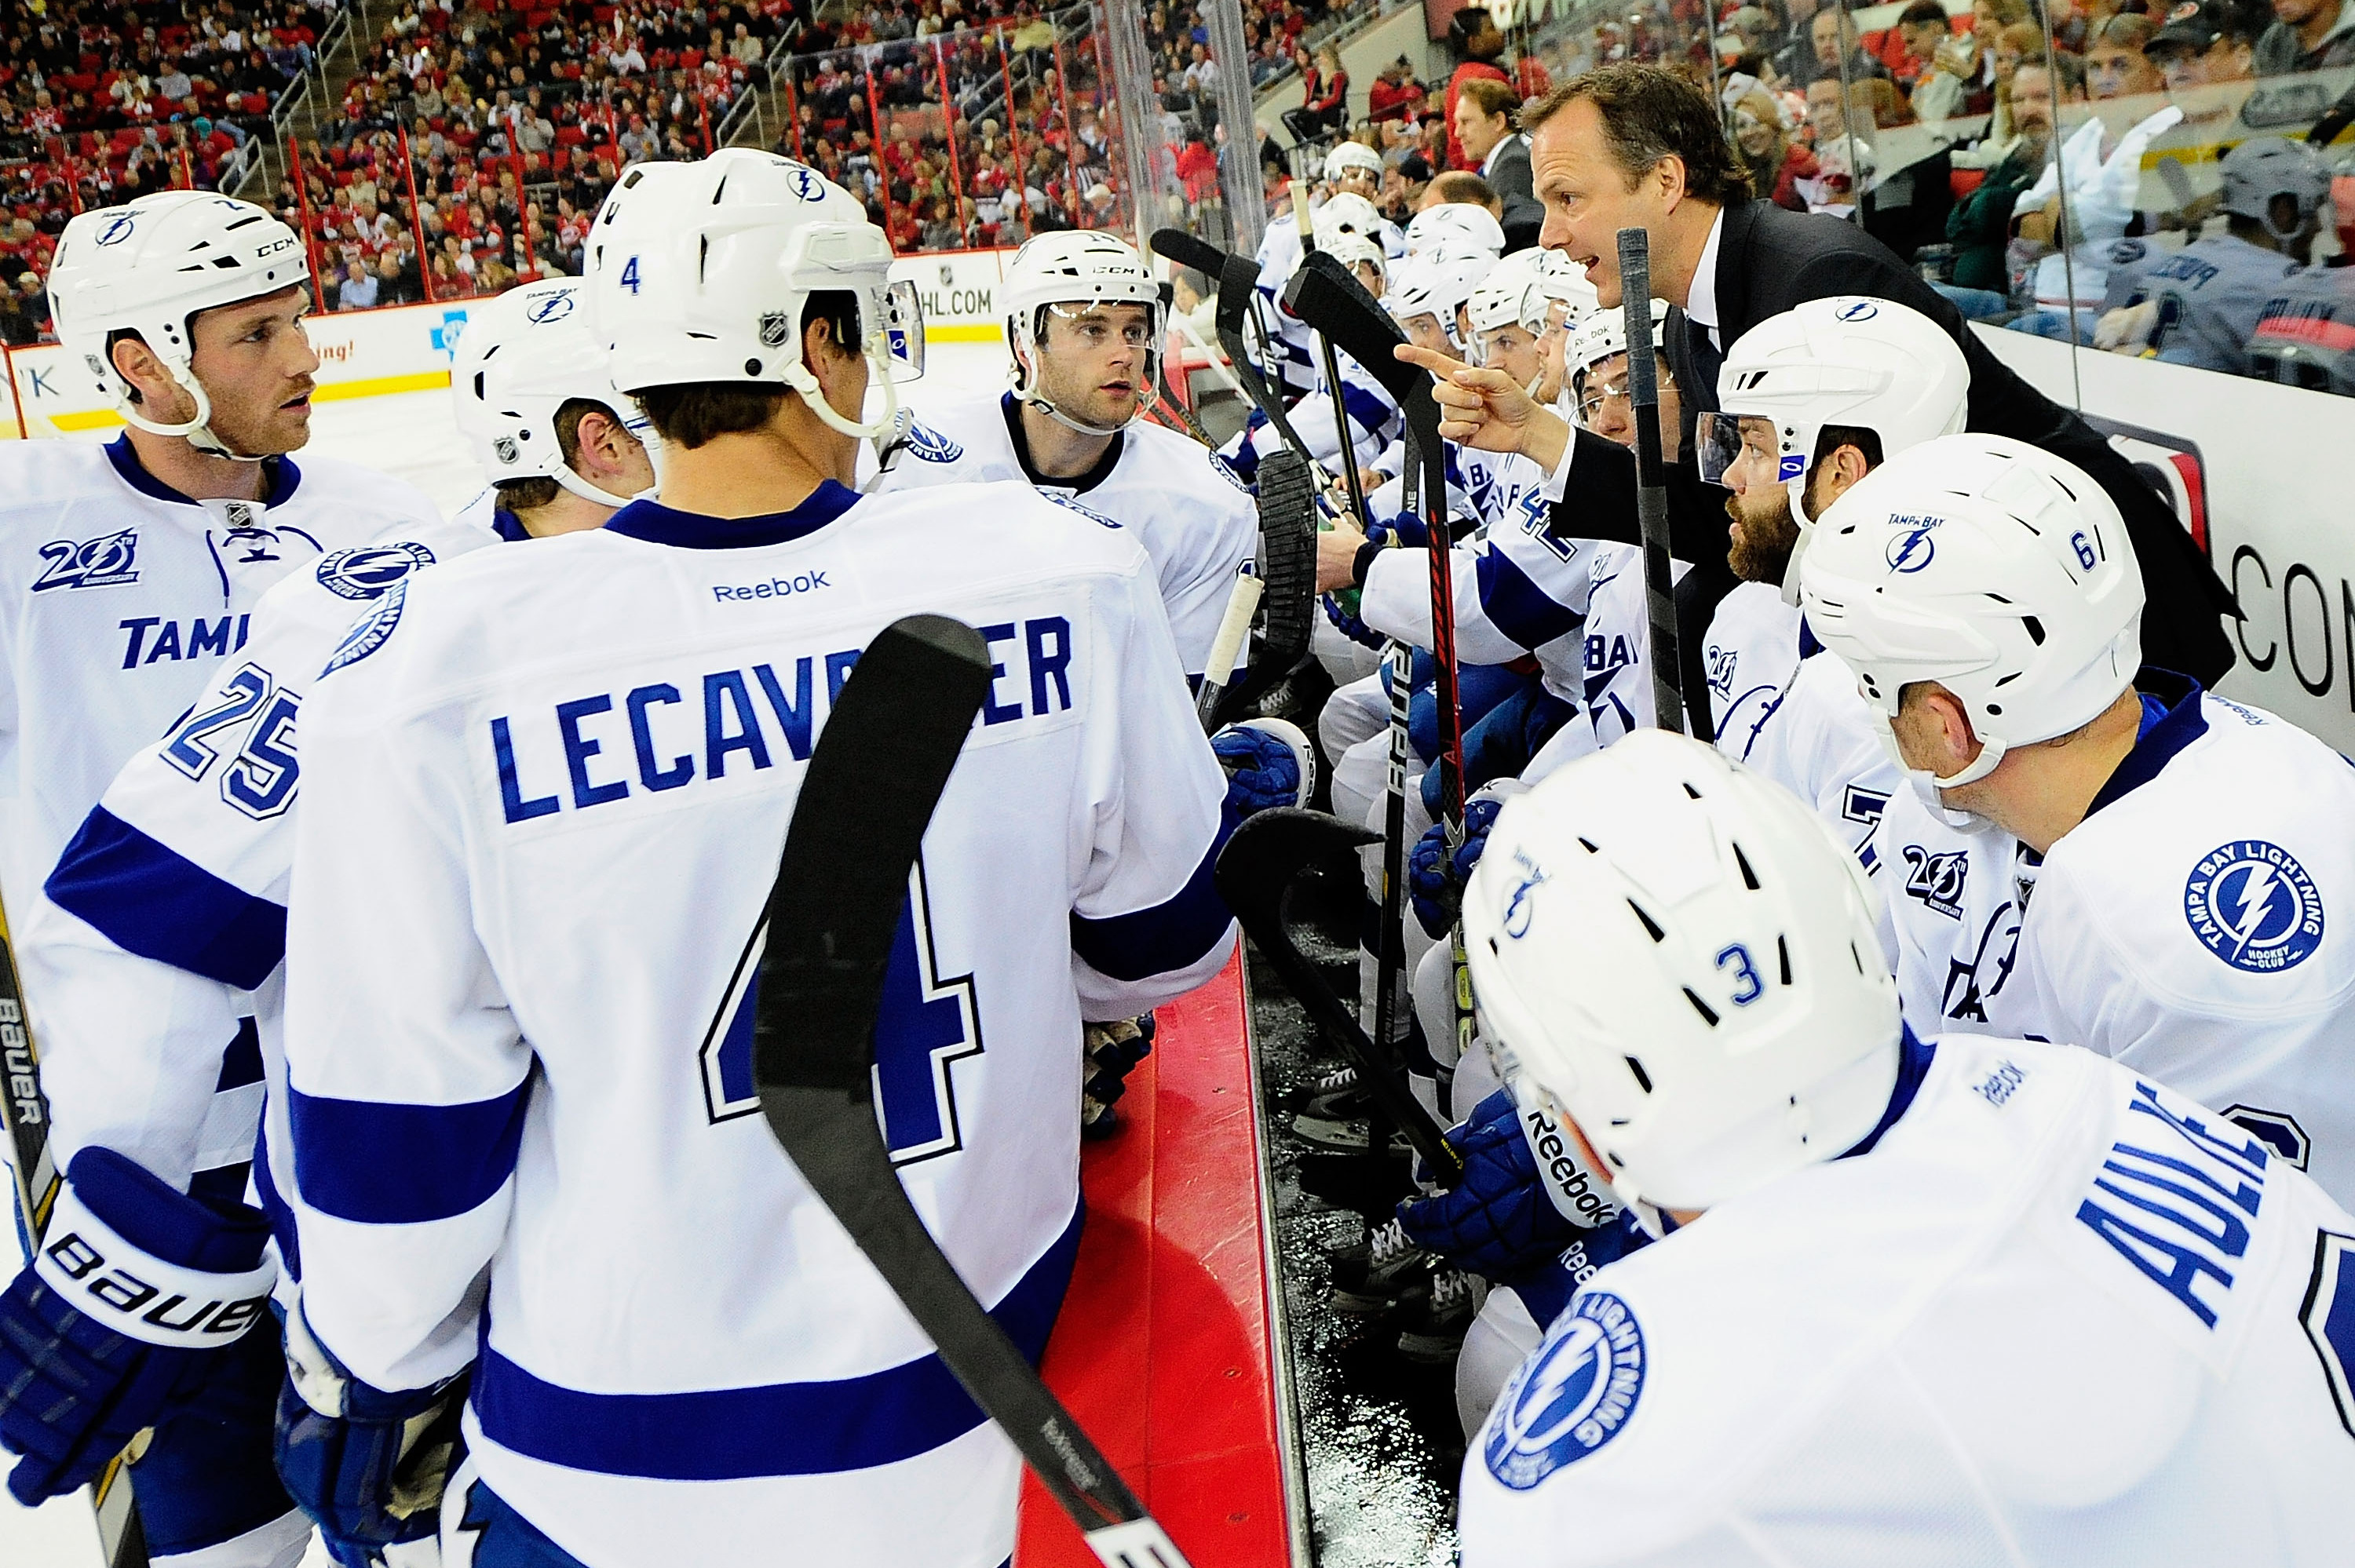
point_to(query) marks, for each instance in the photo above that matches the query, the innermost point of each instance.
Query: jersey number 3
(927, 1024)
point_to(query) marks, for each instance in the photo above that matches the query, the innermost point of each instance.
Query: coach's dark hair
(1650, 113)
(694, 413)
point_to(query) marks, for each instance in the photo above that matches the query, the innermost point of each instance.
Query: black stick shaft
(1651, 479)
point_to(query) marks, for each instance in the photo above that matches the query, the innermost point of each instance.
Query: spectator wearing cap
(2204, 44)
(2306, 35)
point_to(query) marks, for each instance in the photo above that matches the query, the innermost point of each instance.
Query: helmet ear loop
(802, 379)
(195, 431)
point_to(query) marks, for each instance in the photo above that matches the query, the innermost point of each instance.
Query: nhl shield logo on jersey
(925, 442)
(102, 562)
(2251, 904)
(365, 572)
(1576, 1395)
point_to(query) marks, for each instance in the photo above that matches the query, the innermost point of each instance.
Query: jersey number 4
(927, 1024)
(259, 779)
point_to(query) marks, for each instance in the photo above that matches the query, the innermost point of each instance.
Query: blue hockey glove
(1433, 880)
(368, 1466)
(1344, 617)
(1510, 1214)
(1405, 531)
(1269, 762)
(137, 1289)
(1546, 1290)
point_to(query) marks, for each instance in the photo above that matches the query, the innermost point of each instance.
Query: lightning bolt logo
(2254, 906)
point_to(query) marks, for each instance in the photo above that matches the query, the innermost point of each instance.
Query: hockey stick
(1254, 872)
(1237, 280)
(1651, 478)
(885, 756)
(1242, 603)
(1324, 294)
(1348, 455)
(120, 1538)
(1167, 396)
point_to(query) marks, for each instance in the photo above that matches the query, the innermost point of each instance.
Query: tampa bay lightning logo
(103, 562)
(1226, 472)
(807, 183)
(925, 442)
(1912, 550)
(371, 633)
(1060, 499)
(2251, 904)
(1857, 311)
(1574, 1396)
(1937, 880)
(1518, 911)
(364, 573)
(555, 307)
(118, 229)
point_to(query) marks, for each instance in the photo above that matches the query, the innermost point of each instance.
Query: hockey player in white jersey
(1370, 414)
(131, 578)
(2200, 305)
(1290, 344)
(168, 905)
(1810, 402)
(2192, 849)
(1084, 319)
(542, 809)
(1961, 1300)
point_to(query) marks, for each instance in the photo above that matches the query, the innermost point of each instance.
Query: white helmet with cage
(1677, 953)
(1522, 290)
(1992, 567)
(1604, 336)
(1356, 250)
(1350, 156)
(1455, 231)
(1844, 360)
(149, 268)
(1071, 272)
(522, 358)
(699, 273)
(1345, 214)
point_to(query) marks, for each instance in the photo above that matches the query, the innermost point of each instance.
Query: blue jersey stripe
(777, 1429)
(1168, 936)
(1517, 606)
(154, 902)
(382, 1164)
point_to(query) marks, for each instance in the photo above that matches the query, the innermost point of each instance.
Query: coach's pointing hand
(1485, 408)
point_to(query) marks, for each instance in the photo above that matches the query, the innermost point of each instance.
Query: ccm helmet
(1676, 951)
(1998, 570)
(1846, 360)
(1068, 272)
(699, 273)
(1455, 231)
(523, 357)
(149, 268)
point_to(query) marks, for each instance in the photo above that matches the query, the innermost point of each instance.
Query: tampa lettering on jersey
(204, 639)
(2192, 1198)
(782, 718)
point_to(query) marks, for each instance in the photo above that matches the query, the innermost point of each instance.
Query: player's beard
(1761, 548)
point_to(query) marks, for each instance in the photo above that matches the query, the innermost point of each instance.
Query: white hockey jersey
(542, 811)
(120, 599)
(166, 914)
(2183, 926)
(1750, 652)
(1375, 424)
(2055, 1316)
(1193, 516)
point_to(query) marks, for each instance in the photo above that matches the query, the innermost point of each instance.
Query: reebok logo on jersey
(1063, 500)
(1576, 1395)
(775, 588)
(1571, 1183)
(2251, 904)
(103, 562)
(1937, 880)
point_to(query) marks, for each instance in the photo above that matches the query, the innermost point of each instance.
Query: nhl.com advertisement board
(407, 348)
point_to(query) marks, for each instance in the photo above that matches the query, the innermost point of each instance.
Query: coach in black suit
(1485, 125)
(1632, 146)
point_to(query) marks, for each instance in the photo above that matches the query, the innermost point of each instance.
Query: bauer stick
(1651, 480)
(883, 760)
(119, 1536)
(1348, 455)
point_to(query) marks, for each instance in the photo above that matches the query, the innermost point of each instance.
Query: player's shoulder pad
(372, 492)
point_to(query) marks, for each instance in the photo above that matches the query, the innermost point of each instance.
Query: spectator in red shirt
(1474, 37)
(1393, 91)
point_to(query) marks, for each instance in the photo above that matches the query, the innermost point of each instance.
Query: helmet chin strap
(1799, 488)
(802, 380)
(564, 476)
(197, 431)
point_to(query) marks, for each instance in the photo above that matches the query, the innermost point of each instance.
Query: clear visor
(1721, 438)
(902, 332)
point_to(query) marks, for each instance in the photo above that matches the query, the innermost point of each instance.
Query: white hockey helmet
(700, 271)
(1455, 231)
(1350, 156)
(1345, 213)
(1356, 250)
(149, 268)
(1422, 287)
(1073, 270)
(1676, 951)
(523, 357)
(1604, 336)
(1998, 570)
(1844, 360)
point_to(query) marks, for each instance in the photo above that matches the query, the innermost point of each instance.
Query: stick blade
(1187, 250)
(1324, 294)
(1287, 532)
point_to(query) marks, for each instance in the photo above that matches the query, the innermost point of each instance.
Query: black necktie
(1706, 357)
